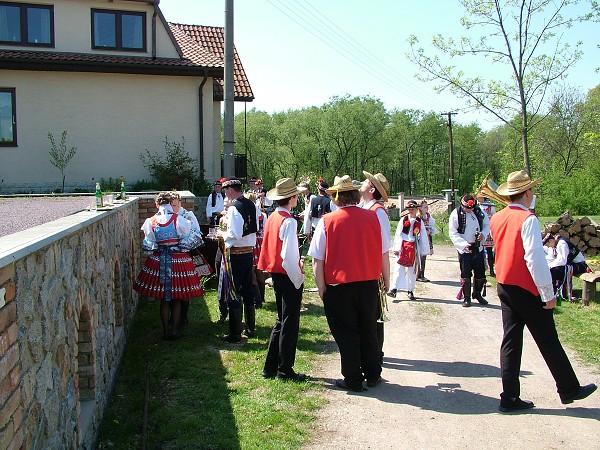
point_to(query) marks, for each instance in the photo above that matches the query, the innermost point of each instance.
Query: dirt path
(441, 382)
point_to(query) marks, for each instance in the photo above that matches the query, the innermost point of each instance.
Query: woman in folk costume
(429, 222)
(168, 273)
(410, 243)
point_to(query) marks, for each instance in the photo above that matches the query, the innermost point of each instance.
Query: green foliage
(110, 184)
(60, 155)
(175, 168)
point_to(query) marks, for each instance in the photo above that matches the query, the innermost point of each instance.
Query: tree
(523, 37)
(60, 155)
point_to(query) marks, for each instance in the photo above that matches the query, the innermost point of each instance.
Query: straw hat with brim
(284, 188)
(341, 184)
(304, 188)
(380, 182)
(516, 183)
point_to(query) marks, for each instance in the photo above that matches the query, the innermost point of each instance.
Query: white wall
(110, 118)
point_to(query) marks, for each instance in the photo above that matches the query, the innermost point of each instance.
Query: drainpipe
(154, 28)
(201, 124)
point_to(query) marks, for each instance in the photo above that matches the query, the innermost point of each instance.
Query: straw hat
(380, 182)
(284, 188)
(516, 183)
(341, 184)
(303, 187)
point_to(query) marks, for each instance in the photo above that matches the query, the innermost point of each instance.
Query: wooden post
(589, 286)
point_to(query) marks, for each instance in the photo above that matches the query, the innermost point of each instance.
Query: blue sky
(286, 49)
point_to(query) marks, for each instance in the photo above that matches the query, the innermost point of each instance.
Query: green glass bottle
(99, 203)
(123, 192)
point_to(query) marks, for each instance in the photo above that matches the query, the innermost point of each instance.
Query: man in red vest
(373, 191)
(280, 256)
(527, 296)
(347, 263)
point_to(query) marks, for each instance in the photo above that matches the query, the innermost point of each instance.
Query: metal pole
(452, 199)
(228, 137)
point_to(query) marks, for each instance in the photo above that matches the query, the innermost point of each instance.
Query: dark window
(8, 118)
(118, 30)
(22, 24)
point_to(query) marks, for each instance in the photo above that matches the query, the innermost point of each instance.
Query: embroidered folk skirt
(184, 281)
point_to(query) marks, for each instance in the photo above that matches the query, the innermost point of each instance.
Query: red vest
(352, 246)
(375, 206)
(270, 254)
(510, 255)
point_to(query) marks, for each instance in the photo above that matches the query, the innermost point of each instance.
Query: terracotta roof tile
(212, 39)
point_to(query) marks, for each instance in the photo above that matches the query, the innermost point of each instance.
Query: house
(118, 78)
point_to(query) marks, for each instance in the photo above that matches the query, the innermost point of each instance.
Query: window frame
(119, 30)
(24, 28)
(13, 92)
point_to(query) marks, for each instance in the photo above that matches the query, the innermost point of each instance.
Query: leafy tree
(60, 155)
(523, 37)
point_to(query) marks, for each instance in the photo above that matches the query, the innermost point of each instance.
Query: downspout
(154, 28)
(201, 123)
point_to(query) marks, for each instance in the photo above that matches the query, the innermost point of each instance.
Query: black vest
(573, 250)
(462, 218)
(247, 210)
(320, 206)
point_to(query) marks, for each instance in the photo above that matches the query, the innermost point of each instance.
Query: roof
(212, 40)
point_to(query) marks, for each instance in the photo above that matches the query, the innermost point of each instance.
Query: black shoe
(232, 339)
(480, 299)
(373, 383)
(466, 303)
(517, 404)
(411, 296)
(298, 377)
(342, 385)
(267, 374)
(222, 319)
(392, 293)
(584, 391)
(423, 280)
(249, 334)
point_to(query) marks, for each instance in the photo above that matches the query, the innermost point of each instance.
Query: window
(118, 30)
(22, 24)
(8, 118)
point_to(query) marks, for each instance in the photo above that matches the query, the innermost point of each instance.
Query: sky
(301, 53)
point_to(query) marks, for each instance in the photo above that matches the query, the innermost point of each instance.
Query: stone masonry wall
(65, 310)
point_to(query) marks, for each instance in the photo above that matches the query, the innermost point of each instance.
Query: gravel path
(441, 382)
(18, 214)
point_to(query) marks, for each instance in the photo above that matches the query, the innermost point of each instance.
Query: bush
(176, 169)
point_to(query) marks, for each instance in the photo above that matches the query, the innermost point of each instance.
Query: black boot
(250, 320)
(477, 289)
(466, 285)
(491, 260)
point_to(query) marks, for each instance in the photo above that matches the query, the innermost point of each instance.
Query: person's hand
(396, 253)
(550, 304)
(480, 237)
(322, 293)
(468, 250)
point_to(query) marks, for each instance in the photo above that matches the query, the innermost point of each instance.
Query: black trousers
(281, 352)
(471, 263)
(241, 269)
(521, 308)
(351, 311)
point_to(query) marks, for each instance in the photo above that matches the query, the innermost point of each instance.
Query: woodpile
(582, 232)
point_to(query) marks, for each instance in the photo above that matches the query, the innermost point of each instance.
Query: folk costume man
(527, 297)
(489, 209)
(410, 242)
(373, 191)
(280, 256)
(240, 238)
(347, 262)
(214, 203)
(468, 227)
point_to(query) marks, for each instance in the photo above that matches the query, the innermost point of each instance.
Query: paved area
(441, 382)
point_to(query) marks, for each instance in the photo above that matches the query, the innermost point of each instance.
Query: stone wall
(66, 305)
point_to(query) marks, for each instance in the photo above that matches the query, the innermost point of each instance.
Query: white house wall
(110, 118)
(72, 28)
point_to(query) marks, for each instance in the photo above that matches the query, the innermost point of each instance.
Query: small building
(118, 78)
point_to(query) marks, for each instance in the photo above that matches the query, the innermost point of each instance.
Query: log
(576, 240)
(553, 227)
(590, 229)
(582, 247)
(594, 242)
(564, 233)
(591, 251)
(575, 228)
(585, 221)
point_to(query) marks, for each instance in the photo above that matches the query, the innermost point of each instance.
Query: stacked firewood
(582, 232)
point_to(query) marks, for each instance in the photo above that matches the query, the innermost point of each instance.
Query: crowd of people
(261, 234)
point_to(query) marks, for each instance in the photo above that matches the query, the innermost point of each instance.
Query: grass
(203, 393)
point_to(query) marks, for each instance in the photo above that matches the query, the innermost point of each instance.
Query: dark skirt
(185, 283)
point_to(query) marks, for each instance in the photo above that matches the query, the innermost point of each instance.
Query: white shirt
(189, 216)
(164, 214)
(235, 227)
(219, 205)
(535, 258)
(558, 255)
(423, 239)
(462, 241)
(290, 253)
(384, 223)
